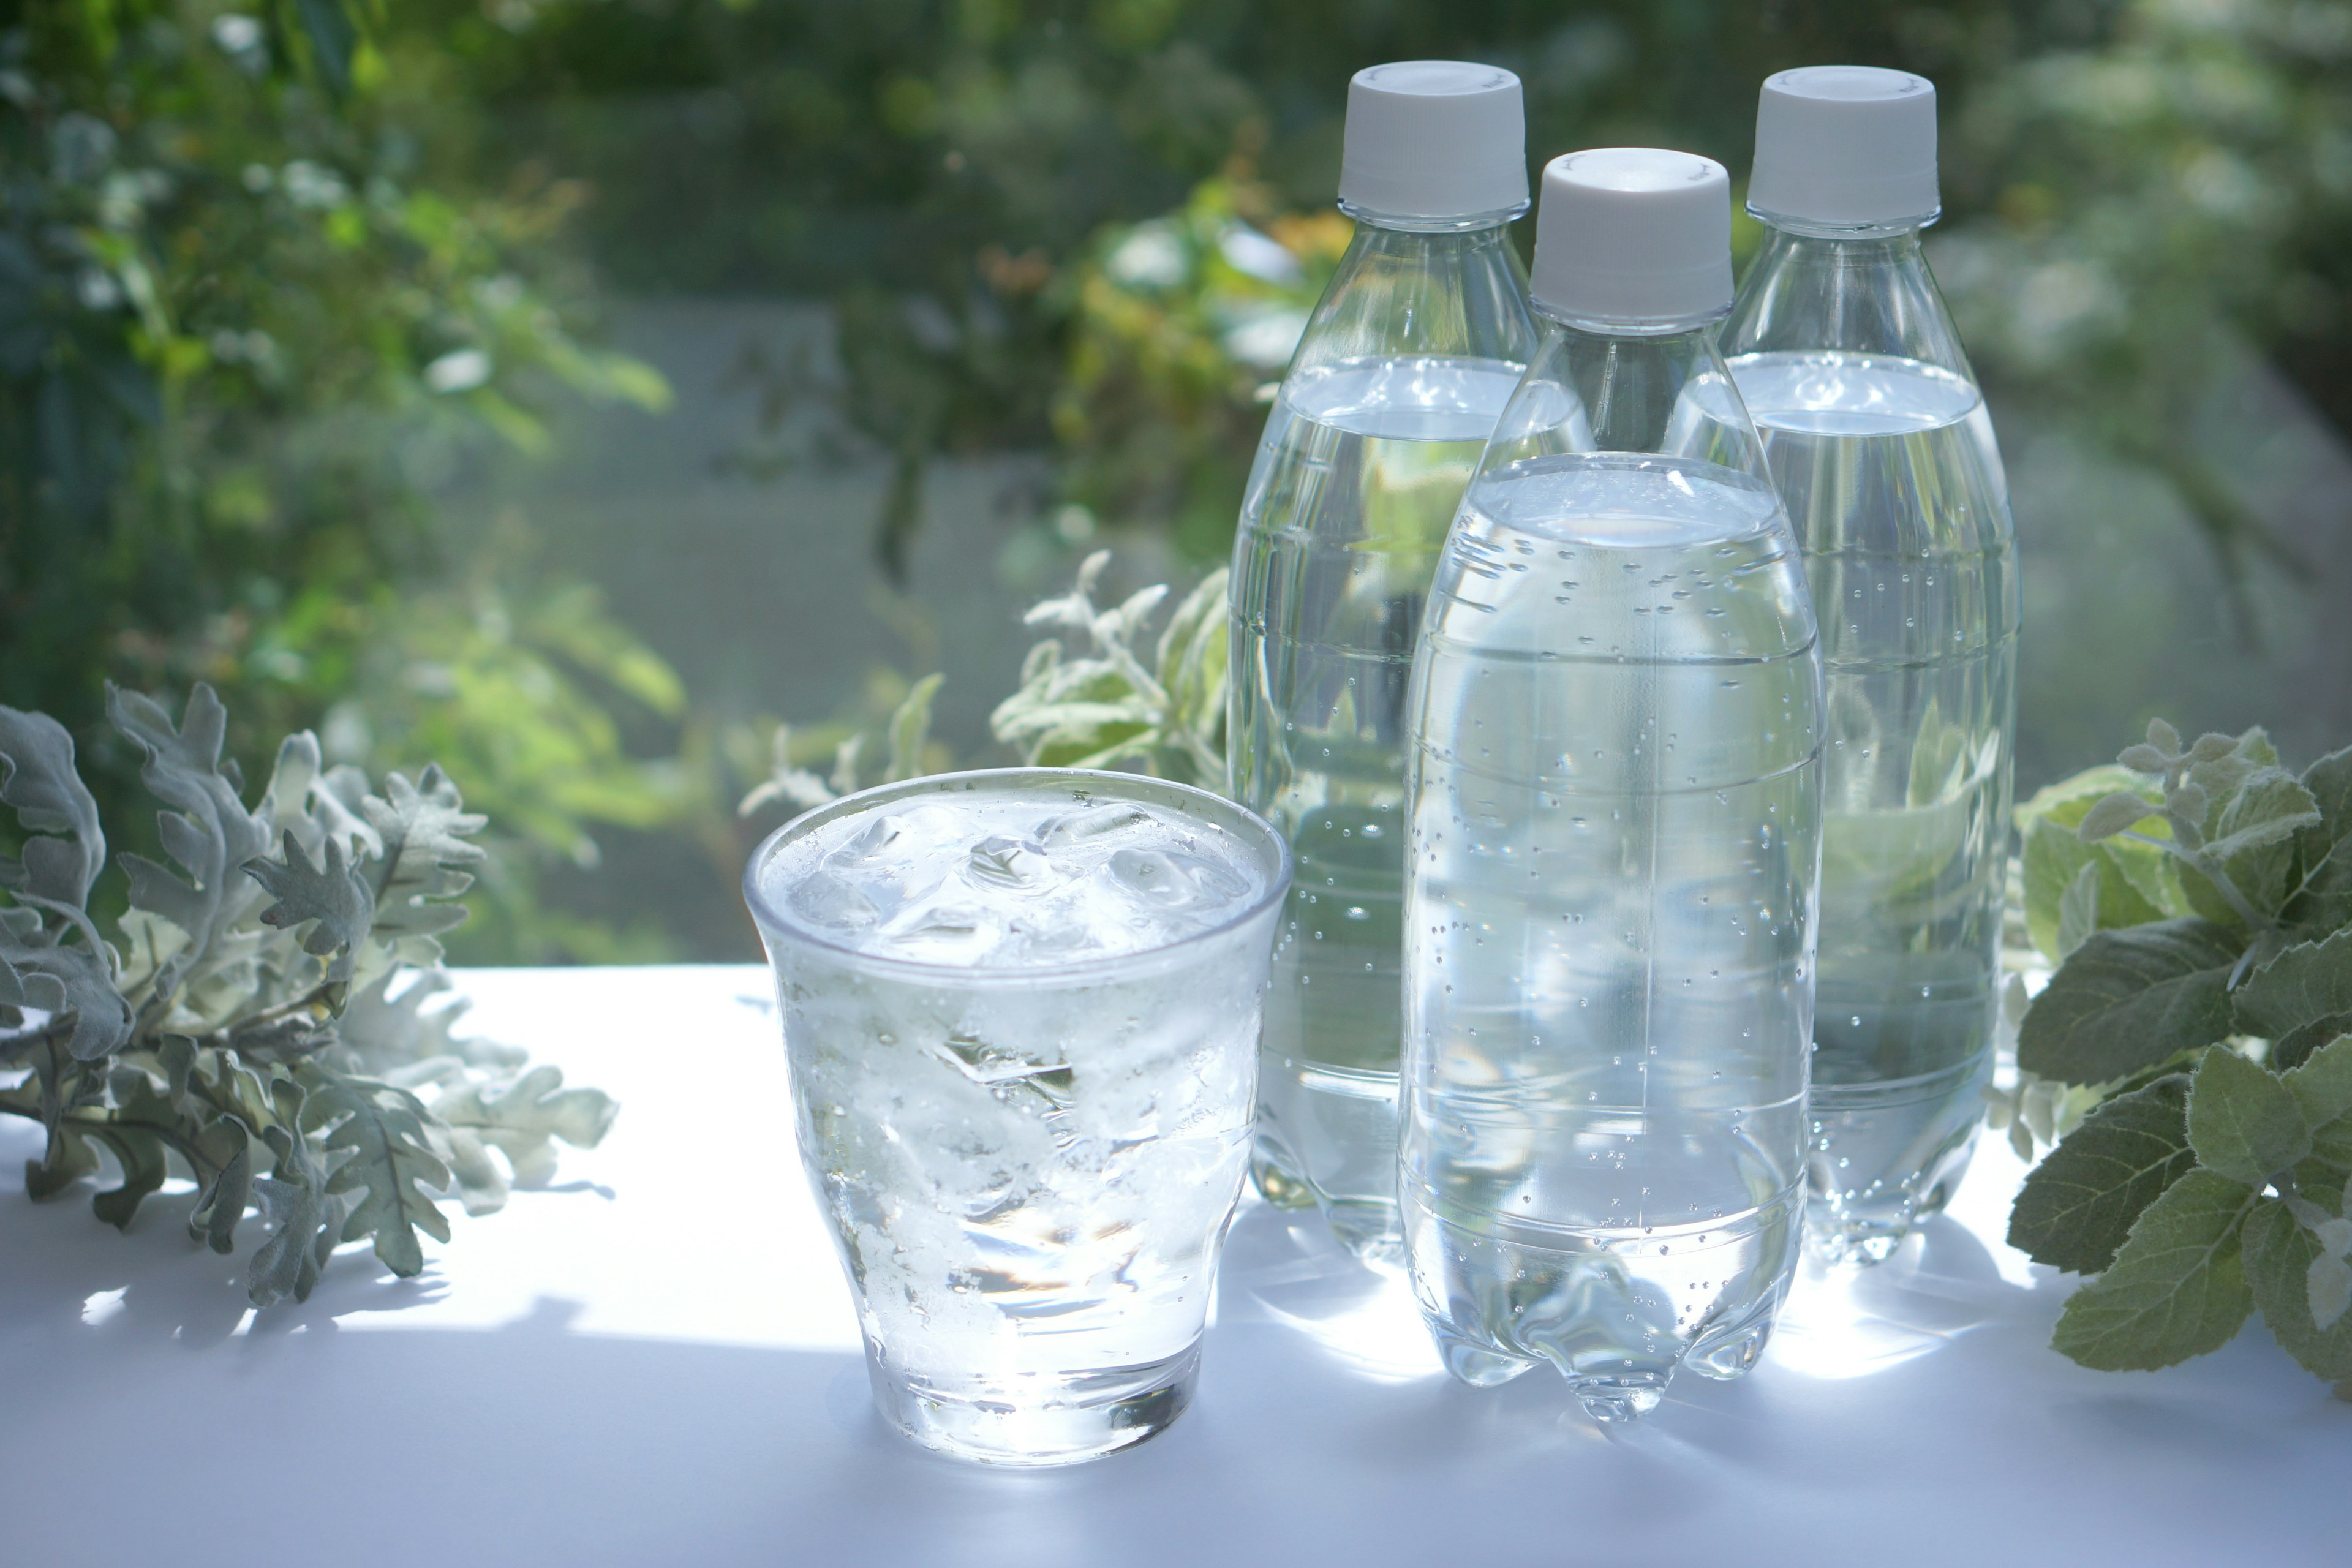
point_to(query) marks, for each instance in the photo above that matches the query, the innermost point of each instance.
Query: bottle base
(1366, 1226)
(1276, 1183)
(1616, 1312)
(1886, 1158)
(1040, 1420)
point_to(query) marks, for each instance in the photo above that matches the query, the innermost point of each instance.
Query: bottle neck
(1603, 387)
(1455, 292)
(1856, 290)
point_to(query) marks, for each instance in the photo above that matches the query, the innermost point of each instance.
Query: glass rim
(1109, 784)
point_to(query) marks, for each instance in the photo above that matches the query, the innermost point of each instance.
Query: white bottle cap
(1434, 140)
(1633, 236)
(1845, 145)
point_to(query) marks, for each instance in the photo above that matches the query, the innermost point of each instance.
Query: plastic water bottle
(1879, 441)
(1398, 381)
(1615, 800)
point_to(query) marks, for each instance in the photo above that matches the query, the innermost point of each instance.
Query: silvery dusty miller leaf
(38, 777)
(389, 1170)
(2078, 1204)
(66, 980)
(2129, 999)
(519, 1120)
(331, 893)
(424, 827)
(208, 834)
(2176, 1289)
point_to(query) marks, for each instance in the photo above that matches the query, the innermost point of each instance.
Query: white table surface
(656, 1361)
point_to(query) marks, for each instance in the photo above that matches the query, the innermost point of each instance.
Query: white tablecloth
(656, 1361)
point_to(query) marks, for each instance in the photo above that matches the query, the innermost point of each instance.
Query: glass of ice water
(1022, 1012)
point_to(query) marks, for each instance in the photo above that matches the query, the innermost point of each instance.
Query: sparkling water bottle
(1396, 385)
(1879, 442)
(1614, 795)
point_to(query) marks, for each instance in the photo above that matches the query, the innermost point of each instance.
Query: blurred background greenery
(567, 389)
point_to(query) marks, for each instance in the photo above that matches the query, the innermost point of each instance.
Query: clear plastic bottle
(1614, 795)
(1396, 385)
(1884, 456)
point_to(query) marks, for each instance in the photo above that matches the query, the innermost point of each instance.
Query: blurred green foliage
(273, 273)
(253, 309)
(2124, 179)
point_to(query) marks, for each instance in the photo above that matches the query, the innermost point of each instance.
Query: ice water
(1613, 843)
(1361, 467)
(1022, 1025)
(1895, 490)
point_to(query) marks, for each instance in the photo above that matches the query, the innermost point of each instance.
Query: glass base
(1042, 1419)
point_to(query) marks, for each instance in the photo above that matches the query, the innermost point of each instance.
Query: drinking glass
(1022, 1009)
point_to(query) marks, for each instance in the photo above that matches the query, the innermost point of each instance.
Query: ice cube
(870, 840)
(1001, 862)
(1151, 876)
(942, 933)
(825, 900)
(1173, 880)
(1054, 937)
(1090, 823)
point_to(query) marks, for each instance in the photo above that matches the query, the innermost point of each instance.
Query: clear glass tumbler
(1022, 1011)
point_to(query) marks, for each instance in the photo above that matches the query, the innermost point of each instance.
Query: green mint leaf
(331, 896)
(2242, 1121)
(2250, 838)
(2164, 738)
(2320, 898)
(2128, 999)
(2296, 1047)
(64, 848)
(2136, 884)
(2308, 982)
(2327, 1286)
(2112, 814)
(2078, 912)
(2279, 1253)
(2078, 1204)
(2322, 1089)
(2177, 1288)
(389, 1169)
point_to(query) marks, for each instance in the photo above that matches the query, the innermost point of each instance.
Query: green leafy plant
(907, 733)
(2198, 901)
(1162, 711)
(266, 1020)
